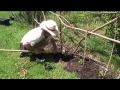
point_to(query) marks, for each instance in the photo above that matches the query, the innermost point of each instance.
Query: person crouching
(36, 39)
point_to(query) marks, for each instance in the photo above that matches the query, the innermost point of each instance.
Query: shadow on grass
(50, 57)
(46, 58)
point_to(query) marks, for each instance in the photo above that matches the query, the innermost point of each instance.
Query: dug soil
(84, 69)
(87, 69)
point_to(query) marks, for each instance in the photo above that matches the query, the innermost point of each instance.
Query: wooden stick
(111, 54)
(61, 42)
(101, 64)
(36, 21)
(70, 24)
(98, 28)
(66, 20)
(105, 12)
(27, 51)
(43, 15)
(107, 38)
(90, 32)
(10, 50)
(109, 22)
(85, 47)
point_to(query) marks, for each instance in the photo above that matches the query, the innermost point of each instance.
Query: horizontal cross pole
(86, 31)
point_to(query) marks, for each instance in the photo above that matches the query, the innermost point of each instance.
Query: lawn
(13, 67)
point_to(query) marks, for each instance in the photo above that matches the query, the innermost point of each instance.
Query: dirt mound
(88, 70)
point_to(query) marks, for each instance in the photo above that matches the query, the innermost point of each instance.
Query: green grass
(97, 46)
(101, 50)
(13, 67)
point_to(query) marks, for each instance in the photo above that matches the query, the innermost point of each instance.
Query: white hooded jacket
(36, 35)
(33, 36)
